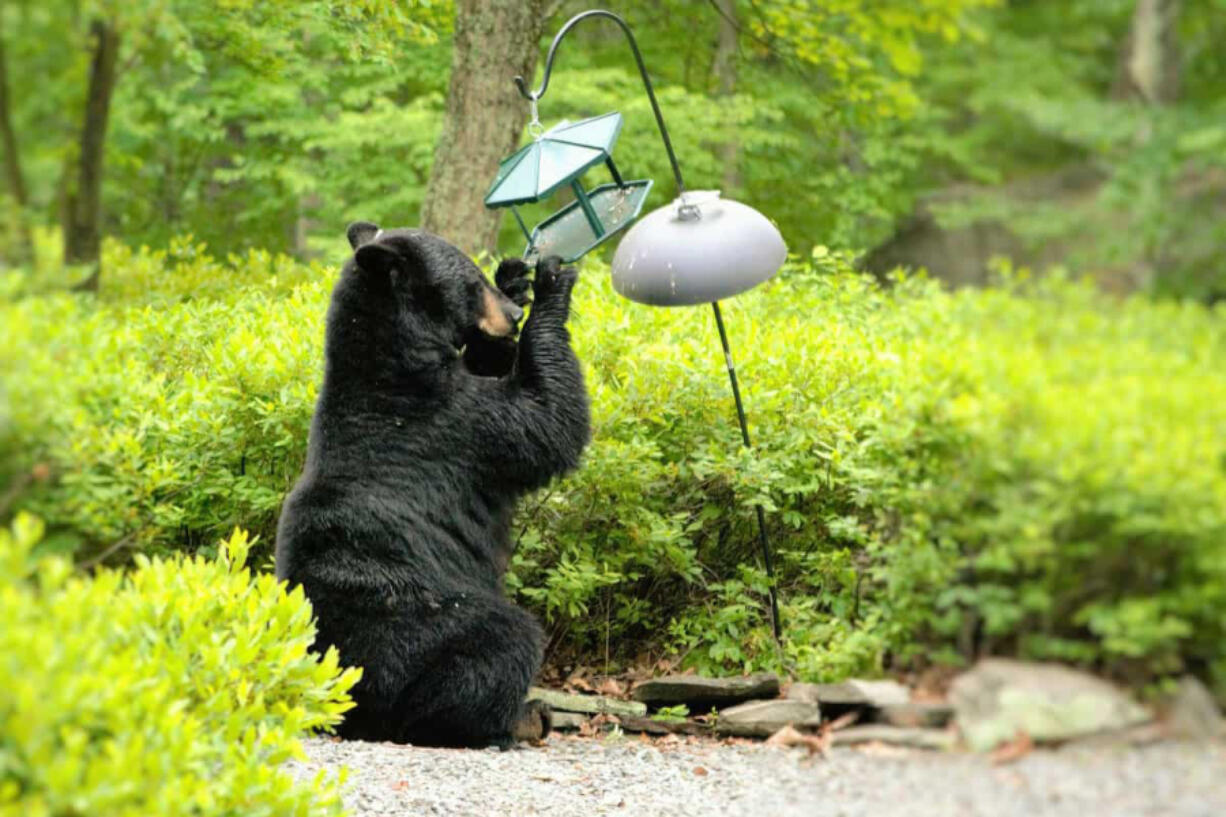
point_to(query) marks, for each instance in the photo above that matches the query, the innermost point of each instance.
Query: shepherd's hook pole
(740, 415)
(534, 97)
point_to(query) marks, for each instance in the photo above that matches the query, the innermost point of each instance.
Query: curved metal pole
(533, 96)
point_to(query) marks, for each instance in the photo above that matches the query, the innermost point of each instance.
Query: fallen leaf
(700, 771)
(611, 687)
(842, 721)
(1019, 747)
(789, 736)
(577, 683)
(933, 684)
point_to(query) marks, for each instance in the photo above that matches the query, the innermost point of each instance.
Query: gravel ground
(580, 776)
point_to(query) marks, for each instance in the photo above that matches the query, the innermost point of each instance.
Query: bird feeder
(558, 158)
(698, 249)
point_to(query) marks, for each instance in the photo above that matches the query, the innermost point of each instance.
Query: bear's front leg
(533, 425)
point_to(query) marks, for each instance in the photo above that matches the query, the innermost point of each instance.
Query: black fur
(399, 528)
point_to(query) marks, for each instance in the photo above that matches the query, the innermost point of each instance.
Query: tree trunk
(1149, 64)
(723, 67)
(12, 164)
(83, 214)
(1149, 73)
(494, 41)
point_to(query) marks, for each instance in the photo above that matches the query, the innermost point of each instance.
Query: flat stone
(590, 704)
(1193, 713)
(700, 693)
(1140, 735)
(937, 739)
(653, 726)
(916, 715)
(857, 693)
(999, 698)
(801, 691)
(568, 721)
(761, 719)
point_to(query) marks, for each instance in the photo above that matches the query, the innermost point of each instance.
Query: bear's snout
(499, 315)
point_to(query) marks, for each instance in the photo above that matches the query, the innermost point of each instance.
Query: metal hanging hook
(533, 96)
(534, 125)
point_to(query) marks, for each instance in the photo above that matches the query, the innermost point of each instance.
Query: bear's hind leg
(472, 693)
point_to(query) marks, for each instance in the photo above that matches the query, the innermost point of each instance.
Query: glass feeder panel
(568, 233)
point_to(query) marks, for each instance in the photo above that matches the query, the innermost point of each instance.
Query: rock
(1140, 735)
(591, 704)
(700, 694)
(913, 715)
(856, 693)
(568, 721)
(938, 739)
(761, 719)
(663, 727)
(801, 691)
(1193, 712)
(999, 698)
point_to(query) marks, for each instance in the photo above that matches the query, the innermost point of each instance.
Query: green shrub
(176, 688)
(169, 416)
(1033, 468)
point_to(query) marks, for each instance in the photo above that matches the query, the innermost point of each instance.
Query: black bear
(398, 530)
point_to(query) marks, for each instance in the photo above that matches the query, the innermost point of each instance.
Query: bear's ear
(377, 258)
(361, 232)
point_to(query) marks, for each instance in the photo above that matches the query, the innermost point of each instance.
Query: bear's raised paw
(551, 275)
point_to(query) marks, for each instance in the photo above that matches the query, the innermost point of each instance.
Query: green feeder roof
(560, 154)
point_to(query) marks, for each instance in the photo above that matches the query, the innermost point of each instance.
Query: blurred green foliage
(1033, 468)
(176, 688)
(234, 121)
(269, 125)
(1034, 95)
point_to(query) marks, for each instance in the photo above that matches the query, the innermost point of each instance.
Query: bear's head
(417, 278)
